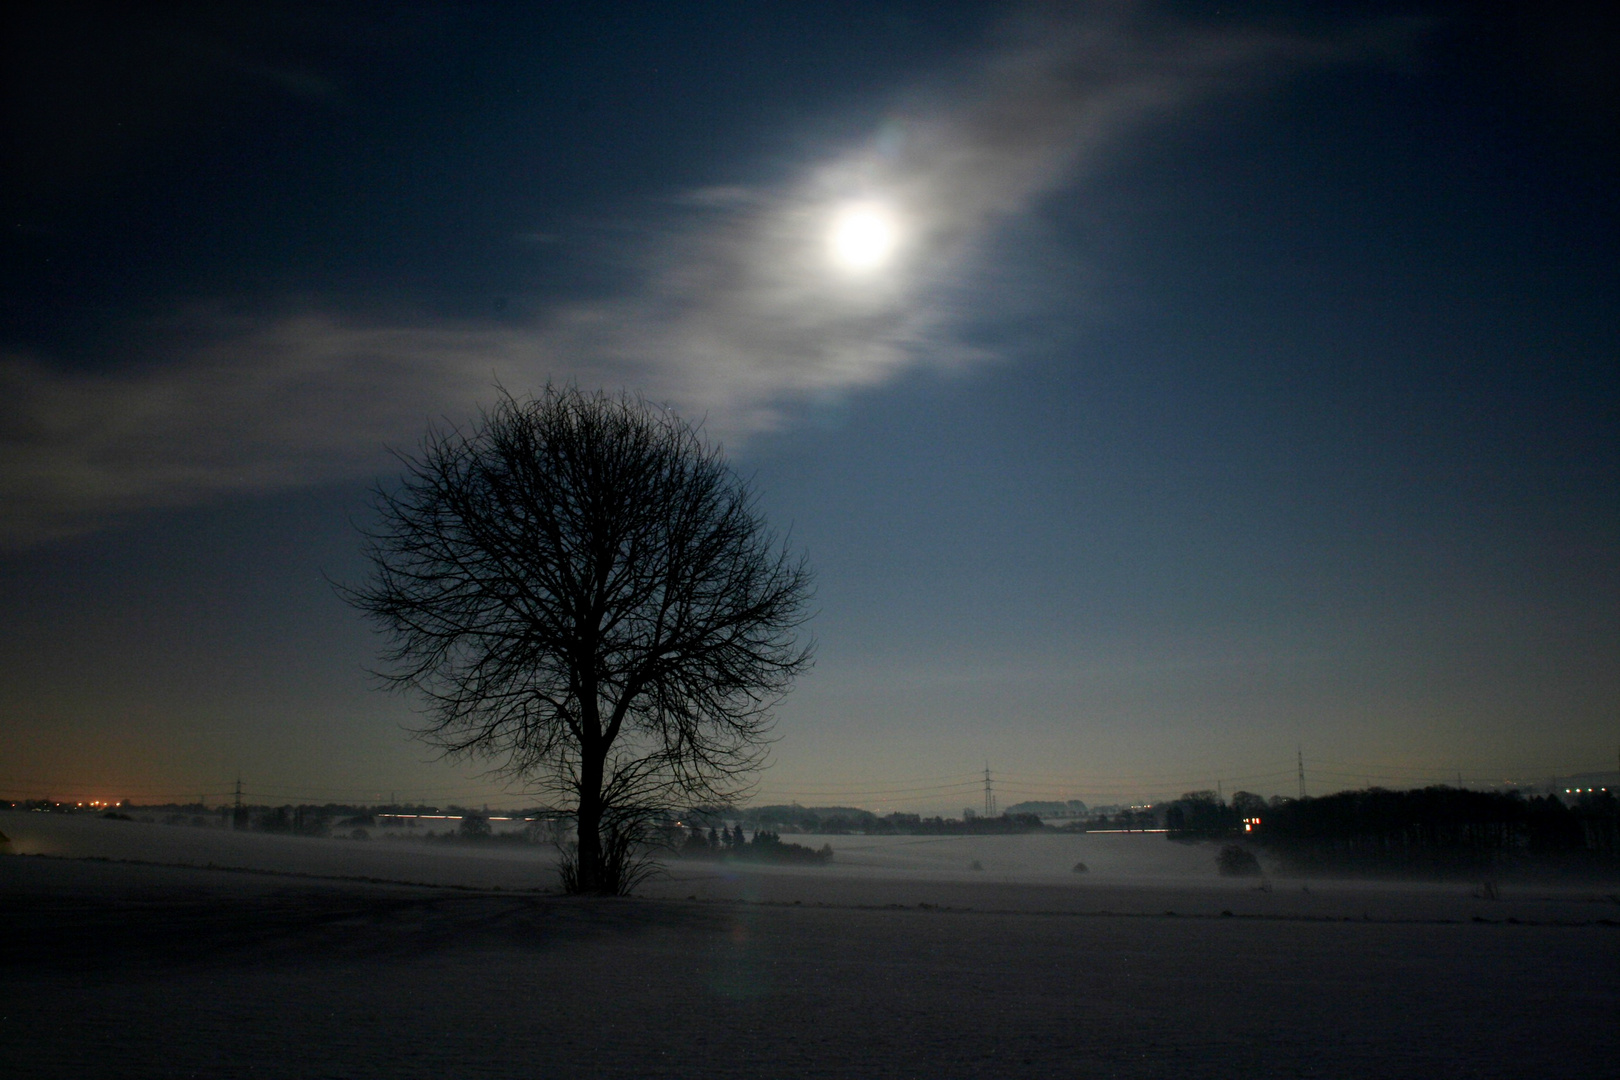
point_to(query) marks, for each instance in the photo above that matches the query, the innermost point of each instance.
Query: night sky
(1209, 386)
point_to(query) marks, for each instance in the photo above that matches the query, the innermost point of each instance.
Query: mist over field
(1122, 872)
(210, 952)
(398, 856)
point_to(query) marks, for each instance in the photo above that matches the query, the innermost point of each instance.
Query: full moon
(863, 237)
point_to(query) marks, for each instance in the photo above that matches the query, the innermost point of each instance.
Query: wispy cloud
(735, 314)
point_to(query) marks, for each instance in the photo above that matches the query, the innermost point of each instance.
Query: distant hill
(833, 819)
(1071, 808)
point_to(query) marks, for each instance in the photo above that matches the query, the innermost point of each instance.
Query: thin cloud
(737, 314)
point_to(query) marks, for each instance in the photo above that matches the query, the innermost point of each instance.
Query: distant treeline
(837, 820)
(357, 821)
(1435, 828)
(325, 819)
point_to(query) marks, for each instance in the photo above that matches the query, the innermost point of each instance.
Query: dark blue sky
(1238, 381)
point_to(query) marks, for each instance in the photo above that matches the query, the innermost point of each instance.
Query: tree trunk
(592, 878)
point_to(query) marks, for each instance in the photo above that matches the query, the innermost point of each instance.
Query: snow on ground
(895, 961)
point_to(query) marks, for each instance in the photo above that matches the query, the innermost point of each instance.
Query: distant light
(863, 236)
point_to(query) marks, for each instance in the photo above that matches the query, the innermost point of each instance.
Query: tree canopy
(583, 592)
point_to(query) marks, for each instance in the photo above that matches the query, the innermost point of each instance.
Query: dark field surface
(123, 970)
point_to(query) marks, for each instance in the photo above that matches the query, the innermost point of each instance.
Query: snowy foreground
(127, 954)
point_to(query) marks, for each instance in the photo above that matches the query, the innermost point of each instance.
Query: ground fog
(897, 960)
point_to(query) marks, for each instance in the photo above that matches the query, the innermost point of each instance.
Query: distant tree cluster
(1126, 819)
(1204, 815)
(1433, 829)
(765, 846)
(297, 820)
(1377, 825)
(326, 819)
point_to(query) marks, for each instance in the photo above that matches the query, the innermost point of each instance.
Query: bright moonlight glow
(863, 237)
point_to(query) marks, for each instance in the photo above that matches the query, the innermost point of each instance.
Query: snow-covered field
(428, 862)
(897, 960)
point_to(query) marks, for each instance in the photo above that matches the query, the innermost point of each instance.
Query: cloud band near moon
(731, 307)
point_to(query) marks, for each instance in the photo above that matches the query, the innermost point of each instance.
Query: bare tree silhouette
(586, 594)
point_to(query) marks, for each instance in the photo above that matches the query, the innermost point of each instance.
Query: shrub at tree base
(1235, 861)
